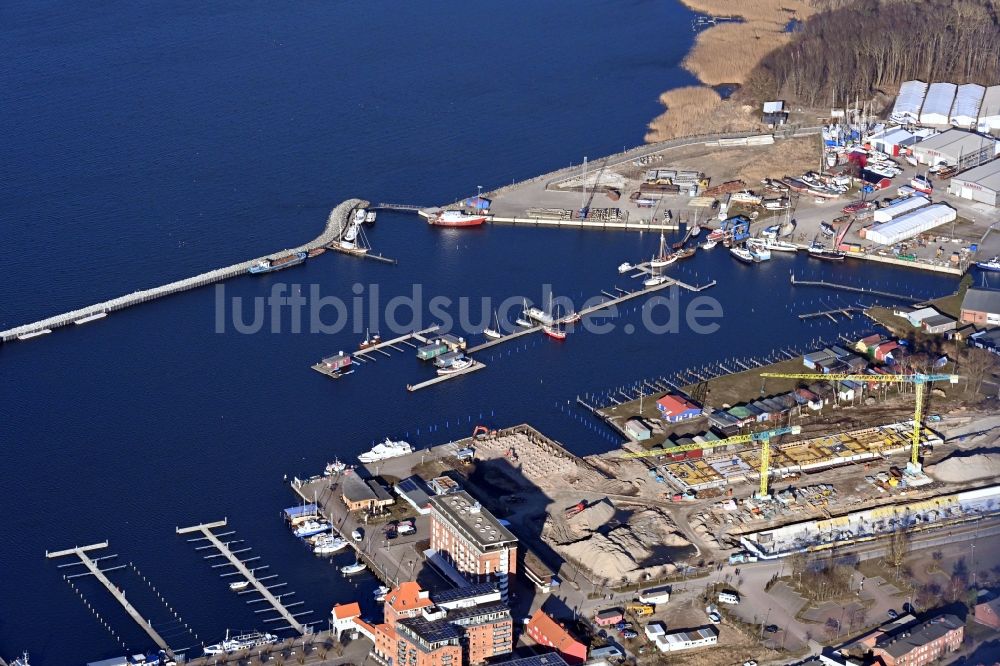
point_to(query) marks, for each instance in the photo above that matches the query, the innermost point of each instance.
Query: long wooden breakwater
(335, 224)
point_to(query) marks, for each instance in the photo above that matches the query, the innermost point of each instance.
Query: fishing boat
(654, 280)
(239, 585)
(456, 366)
(494, 332)
(742, 254)
(370, 340)
(281, 263)
(625, 268)
(455, 218)
(686, 253)
(663, 258)
(991, 265)
(825, 254)
(350, 569)
(709, 244)
(335, 467)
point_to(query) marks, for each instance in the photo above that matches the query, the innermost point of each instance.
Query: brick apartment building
(920, 644)
(464, 626)
(472, 540)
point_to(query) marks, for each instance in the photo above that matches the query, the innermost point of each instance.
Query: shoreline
(761, 30)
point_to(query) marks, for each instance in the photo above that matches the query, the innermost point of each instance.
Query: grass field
(698, 110)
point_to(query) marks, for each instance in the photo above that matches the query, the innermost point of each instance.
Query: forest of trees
(859, 48)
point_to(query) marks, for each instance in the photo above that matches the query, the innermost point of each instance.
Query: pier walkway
(860, 290)
(116, 592)
(206, 530)
(335, 224)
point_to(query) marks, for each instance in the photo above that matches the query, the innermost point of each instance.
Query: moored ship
(281, 263)
(385, 450)
(455, 218)
(244, 641)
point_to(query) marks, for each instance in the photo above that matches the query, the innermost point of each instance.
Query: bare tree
(979, 364)
(899, 547)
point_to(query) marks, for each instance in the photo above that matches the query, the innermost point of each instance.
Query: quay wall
(335, 224)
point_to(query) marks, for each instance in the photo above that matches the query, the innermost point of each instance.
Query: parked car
(715, 617)
(771, 629)
(629, 634)
(892, 614)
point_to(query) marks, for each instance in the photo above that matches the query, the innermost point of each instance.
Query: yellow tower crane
(918, 380)
(764, 437)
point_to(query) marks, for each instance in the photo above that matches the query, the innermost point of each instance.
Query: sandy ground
(958, 468)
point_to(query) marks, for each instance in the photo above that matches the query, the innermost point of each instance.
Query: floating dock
(476, 365)
(81, 552)
(334, 227)
(205, 529)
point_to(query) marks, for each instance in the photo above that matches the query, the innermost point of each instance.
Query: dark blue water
(146, 142)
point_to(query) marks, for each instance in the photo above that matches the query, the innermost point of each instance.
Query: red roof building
(676, 408)
(405, 601)
(545, 631)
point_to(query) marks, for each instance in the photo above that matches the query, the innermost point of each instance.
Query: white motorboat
(709, 244)
(380, 592)
(655, 280)
(370, 217)
(244, 641)
(625, 267)
(457, 366)
(239, 585)
(386, 450)
(351, 233)
(329, 546)
(356, 567)
(758, 250)
(780, 246)
(311, 528)
(743, 254)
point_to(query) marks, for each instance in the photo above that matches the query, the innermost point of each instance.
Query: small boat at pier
(494, 332)
(351, 569)
(625, 267)
(335, 467)
(662, 258)
(743, 254)
(244, 641)
(239, 585)
(386, 450)
(456, 366)
(455, 218)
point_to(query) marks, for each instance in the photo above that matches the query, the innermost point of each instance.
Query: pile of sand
(593, 517)
(613, 551)
(955, 468)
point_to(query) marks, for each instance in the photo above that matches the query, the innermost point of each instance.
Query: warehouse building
(989, 111)
(906, 111)
(909, 225)
(936, 110)
(955, 147)
(965, 108)
(979, 184)
(892, 141)
(898, 208)
(981, 307)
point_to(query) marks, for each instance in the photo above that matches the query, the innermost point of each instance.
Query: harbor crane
(919, 380)
(764, 437)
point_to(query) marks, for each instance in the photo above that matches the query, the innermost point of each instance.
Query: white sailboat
(663, 258)
(494, 332)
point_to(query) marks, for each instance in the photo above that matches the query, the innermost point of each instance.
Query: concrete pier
(116, 592)
(336, 221)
